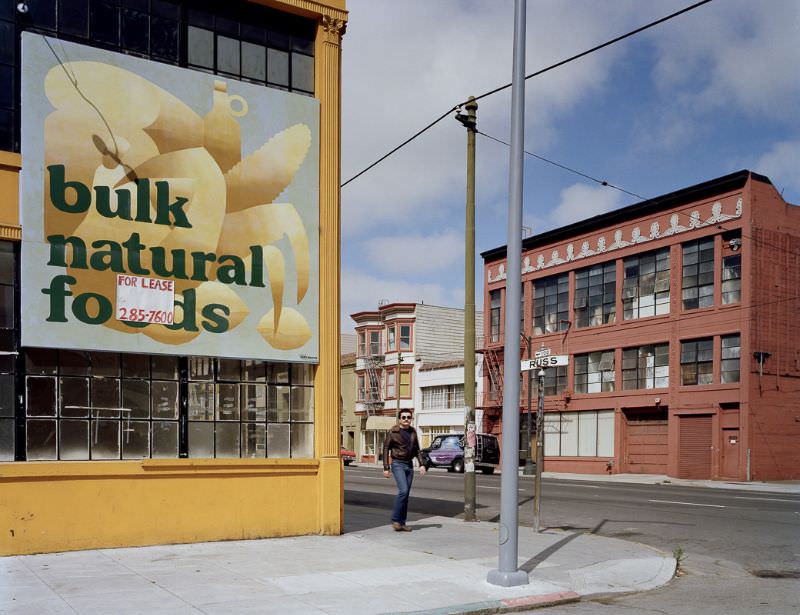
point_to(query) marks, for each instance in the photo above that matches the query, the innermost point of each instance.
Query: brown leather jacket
(395, 445)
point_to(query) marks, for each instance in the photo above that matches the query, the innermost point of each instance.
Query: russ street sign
(552, 360)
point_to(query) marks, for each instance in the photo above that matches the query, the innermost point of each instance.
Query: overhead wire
(530, 76)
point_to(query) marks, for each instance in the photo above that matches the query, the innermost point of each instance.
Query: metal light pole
(537, 481)
(469, 121)
(508, 573)
(529, 469)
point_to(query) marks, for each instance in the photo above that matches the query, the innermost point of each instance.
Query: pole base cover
(507, 579)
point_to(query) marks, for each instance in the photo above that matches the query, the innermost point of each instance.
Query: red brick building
(680, 319)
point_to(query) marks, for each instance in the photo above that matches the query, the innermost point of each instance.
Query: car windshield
(451, 442)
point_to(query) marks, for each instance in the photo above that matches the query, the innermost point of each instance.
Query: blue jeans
(403, 475)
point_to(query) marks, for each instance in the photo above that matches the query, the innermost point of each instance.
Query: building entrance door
(730, 453)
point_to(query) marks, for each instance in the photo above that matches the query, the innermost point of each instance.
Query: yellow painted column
(327, 417)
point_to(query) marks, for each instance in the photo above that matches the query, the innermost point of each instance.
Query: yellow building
(169, 272)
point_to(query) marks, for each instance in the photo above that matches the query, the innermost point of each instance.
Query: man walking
(399, 449)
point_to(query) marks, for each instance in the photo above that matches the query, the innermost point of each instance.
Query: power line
(539, 72)
(597, 48)
(602, 182)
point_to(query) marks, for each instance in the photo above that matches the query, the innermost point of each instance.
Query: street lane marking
(742, 497)
(687, 503)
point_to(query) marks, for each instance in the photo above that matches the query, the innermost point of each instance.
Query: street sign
(547, 361)
(541, 353)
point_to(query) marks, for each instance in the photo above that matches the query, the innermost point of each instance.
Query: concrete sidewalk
(440, 568)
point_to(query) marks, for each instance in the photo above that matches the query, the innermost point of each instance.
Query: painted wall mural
(693, 221)
(138, 169)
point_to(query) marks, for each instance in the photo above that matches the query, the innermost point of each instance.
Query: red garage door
(695, 447)
(646, 443)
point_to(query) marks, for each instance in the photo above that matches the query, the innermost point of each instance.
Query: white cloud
(362, 291)
(781, 164)
(734, 55)
(580, 201)
(421, 254)
(438, 55)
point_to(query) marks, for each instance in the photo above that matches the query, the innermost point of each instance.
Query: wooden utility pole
(470, 122)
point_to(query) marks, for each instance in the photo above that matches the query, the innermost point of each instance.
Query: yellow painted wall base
(47, 507)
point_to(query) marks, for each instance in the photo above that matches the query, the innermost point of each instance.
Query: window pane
(74, 397)
(164, 38)
(227, 439)
(605, 433)
(165, 400)
(302, 404)
(104, 22)
(201, 401)
(227, 402)
(40, 361)
(254, 440)
(6, 440)
(229, 369)
(135, 439)
(254, 61)
(104, 399)
(41, 440)
(136, 399)
(228, 60)
(200, 47)
(569, 433)
(302, 373)
(254, 371)
(552, 434)
(302, 440)
(201, 368)
(7, 395)
(165, 439)
(278, 67)
(164, 368)
(105, 364)
(74, 439)
(587, 434)
(201, 439)
(135, 31)
(105, 439)
(278, 404)
(254, 402)
(40, 396)
(278, 373)
(302, 72)
(278, 440)
(74, 363)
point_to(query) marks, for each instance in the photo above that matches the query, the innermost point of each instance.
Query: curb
(507, 605)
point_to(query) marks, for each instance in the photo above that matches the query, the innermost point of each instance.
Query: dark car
(447, 451)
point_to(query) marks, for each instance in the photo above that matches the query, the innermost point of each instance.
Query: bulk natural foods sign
(165, 210)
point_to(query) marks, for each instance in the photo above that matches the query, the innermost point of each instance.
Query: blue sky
(710, 92)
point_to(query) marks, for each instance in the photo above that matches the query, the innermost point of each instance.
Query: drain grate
(776, 574)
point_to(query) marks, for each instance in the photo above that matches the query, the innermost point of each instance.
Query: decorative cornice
(693, 222)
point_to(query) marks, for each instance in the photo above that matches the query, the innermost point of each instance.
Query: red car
(347, 456)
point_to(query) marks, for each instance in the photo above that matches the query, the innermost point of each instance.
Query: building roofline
(706, 189)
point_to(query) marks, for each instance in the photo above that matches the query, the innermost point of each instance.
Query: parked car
(447, 451)
(347, 456)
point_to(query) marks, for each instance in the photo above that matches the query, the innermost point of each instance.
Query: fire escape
(373, 399)
(492, 402)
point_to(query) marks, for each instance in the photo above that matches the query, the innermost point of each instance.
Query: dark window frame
(167, 25)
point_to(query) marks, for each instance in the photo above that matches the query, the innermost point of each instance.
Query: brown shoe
(404, 528)
(398, 527)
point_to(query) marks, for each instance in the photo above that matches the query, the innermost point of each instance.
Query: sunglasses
(405, 417)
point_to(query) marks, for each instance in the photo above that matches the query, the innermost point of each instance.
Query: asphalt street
(741, 549)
